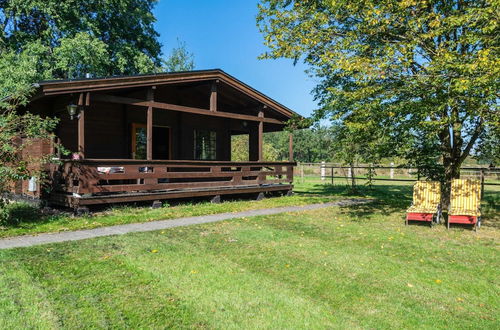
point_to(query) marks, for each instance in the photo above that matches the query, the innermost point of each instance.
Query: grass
(351, 267)
(131, 214)
(310, 191)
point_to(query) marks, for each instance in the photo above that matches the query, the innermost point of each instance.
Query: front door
(161, 142)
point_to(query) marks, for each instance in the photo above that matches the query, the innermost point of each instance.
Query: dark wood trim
(84, 99)
(173, 107)
(135, 126)
(70, 201)
(143, 162)
(81, 133)
(149, 125)
(213, 96)
(81, 98)
(261, 136)
(86, 85)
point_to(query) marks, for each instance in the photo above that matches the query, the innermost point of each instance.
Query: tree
(426, 72)
(53, 39)
(240, 149)
(353, 144)
(122, 32)
(309, 145)
(180, 59)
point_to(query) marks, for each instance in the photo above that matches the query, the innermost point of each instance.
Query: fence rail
(330, 171)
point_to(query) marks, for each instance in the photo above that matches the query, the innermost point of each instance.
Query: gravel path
(24, 241)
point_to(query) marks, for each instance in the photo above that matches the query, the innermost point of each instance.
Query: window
(205, 145)
(139, 141)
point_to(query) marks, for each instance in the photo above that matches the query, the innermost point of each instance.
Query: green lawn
(131, 214)
(356, 267)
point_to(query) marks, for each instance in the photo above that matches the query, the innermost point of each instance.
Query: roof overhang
(58, 87)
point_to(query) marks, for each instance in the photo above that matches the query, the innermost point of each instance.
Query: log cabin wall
(108, 131)
(105, 133)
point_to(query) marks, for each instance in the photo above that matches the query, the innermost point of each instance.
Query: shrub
(15, 213)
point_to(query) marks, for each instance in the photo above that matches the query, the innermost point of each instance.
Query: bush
(15, 213)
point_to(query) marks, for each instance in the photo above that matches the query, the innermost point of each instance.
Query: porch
(96, 181)
(154, 137)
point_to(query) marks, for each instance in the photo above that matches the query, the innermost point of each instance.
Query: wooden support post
(290, 147)
(82, 101)
(213, 97)
(261, 136)
(87, 99)
(81, 133)
(149, 126)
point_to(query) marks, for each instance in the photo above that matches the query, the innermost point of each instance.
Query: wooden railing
(96, 176)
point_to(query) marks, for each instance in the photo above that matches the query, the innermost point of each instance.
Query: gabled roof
(57, 87)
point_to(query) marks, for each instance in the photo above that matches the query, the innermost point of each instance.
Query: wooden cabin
(158, 137)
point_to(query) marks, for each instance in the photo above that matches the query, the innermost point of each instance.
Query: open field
(351, 267)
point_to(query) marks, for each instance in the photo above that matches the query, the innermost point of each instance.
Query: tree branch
(472, 141)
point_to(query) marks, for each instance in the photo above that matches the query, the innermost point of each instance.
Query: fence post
(392, 170)
(332, 175)
(323, 169)
(482, 183)
(302, 172)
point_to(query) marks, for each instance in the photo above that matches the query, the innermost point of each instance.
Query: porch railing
(98, 176)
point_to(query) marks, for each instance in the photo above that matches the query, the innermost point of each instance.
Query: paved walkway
(23, 241)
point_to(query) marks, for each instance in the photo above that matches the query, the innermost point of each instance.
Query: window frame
(209, 150)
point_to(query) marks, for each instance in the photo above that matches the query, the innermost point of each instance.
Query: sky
(222, 34)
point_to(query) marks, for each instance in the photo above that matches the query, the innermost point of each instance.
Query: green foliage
(180, 59)
(81, 54)
(17, 132)
(13, 214)
(425, 74)
(121, 33)
(69, 39)
(309, 145)
(489, 150)
(240, 149)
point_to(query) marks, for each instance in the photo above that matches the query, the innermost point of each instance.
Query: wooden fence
(328, 172)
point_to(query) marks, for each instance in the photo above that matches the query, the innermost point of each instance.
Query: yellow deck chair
(426, 205)
(465, 202)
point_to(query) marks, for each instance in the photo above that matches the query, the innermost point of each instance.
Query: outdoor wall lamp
(73, 110)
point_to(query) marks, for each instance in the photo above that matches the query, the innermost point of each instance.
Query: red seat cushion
(419, 216)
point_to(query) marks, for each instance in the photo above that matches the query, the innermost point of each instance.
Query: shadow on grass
(395, 198)
(388, 198)
(491, 209)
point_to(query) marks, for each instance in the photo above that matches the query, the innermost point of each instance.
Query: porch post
(81, 133)
(213, 96)
(149, 125)
(261, 135)
(290, 147)
(83, 101)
